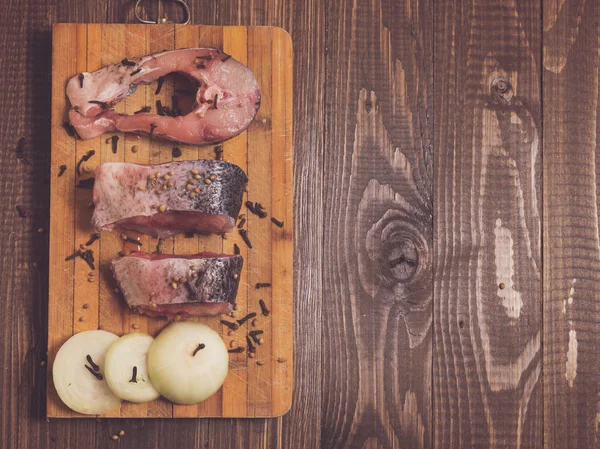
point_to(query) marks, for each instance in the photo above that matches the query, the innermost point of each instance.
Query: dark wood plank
(571, 248)
(378, 232)
(487, 321)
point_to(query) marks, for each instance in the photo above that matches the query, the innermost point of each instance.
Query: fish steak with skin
(227, 97)
(203, 196)
(169, 285)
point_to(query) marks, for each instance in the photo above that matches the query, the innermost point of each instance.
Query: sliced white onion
(77, 387)
(188, 362)
(128, 352)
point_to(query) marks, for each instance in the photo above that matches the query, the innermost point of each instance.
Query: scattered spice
(254, 322)
(200, 347)
(244, 235)
(95, 374)
(159, 108)
(237, 350)
(277, 223)
(134, 149)
(219, 153)
(251, 355)
(143, 110)
(256, 209)
(131, 240)
(261, 341)
(230, 325)
(241, 321)
(81, 78)
(88, 256)
(136, 71)
(136, 326)
(90, 279)
(84, 158)
(99, 103)
(86, 183)
(236, 249)
(176, 152)
(85, 306)
(61, 170)
(73, 256)
(263, 307)
(260, 362)
(92, 239)
(161, 80)
(22, 212)
(241, 223)
(81, 319)
(128, 62)
(251, 347)
(91, 362)
(161, 208)
(254, 335)
(115, 141)
(134, 375)
(282, 360)
(262, 285)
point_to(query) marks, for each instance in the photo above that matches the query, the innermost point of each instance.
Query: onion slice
(188, 362)
(78, 373)
(126, 369)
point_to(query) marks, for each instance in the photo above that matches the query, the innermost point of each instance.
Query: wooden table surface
(447, 239)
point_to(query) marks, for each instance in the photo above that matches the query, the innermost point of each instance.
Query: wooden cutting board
(82, 299)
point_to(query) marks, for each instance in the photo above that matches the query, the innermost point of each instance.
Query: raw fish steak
(203, 196)
(167, 285)
(227, 97)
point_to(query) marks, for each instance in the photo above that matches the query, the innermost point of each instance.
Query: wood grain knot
(502, 90)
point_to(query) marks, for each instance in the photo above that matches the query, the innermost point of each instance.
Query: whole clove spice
(143, 110)
(83, 159)
(91, 362)
(61, 170)
(244, 234)
(130, 240)
(262, 285)
(152, 127)
(136, 71)
(200, 347)
(263, 307)
(127, 62)
(241, 223)
(251, 347)
(176, 152)
(114, 140)
(215, 102)
(230, 325)
(237, 350)
(236, 249)
(92, 239)
(241, 321)
(134, 375)
(70, 129)
(161, 80)
(254, 335)
(219, 153)
(81, 78)
(159, 108)
(96, 375)
(277, 223)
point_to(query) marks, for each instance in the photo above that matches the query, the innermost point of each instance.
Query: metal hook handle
(187, 18)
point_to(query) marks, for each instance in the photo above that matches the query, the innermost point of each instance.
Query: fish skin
(146, 279)
(231, 81)
(125, 197)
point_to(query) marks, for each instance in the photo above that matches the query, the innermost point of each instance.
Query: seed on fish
(143, 188)
(233, 344)
(171, 173)
(201, 115)
(193, 267)
(183, 280)
(213, 177)
(207, 181)
(254, 322)
(158, 174)
(170, 183)
(193, 195)
(166, 177)
(197, 177)
(152, 294)
(197, 190)
(154, 305)
(189, 187)
(194, 172)
(174, 285)
(191, 180)
(195, 275)
(164, 187)
(150, 177)
(161, 208)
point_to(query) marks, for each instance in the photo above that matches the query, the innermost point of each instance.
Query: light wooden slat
(62, 235)
(281, 208)
(108, 44)
(235, 43)
(259, 230)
